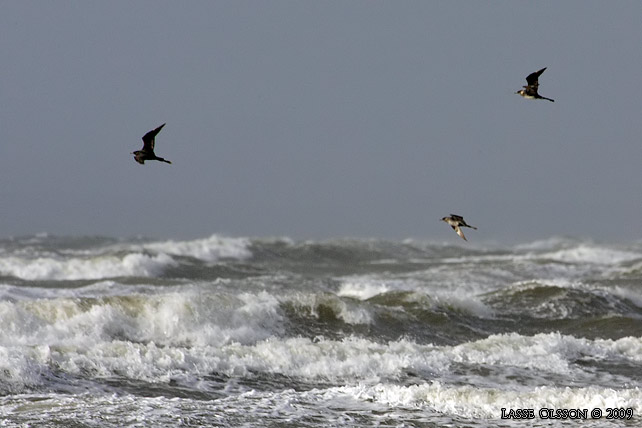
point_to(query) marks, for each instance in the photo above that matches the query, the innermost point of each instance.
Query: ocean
(244, 332)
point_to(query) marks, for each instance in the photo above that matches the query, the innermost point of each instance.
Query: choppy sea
(241, 332)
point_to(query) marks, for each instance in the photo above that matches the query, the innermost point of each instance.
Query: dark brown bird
(456, 222)
(530, 90)
(147, 152)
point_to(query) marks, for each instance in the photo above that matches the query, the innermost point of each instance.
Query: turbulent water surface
(99, 332)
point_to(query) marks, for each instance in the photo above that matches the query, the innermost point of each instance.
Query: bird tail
(164, 160)
(549, 99)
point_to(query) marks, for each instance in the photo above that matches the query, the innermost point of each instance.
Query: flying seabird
(455, 221)
(530, 90)
(147, 153)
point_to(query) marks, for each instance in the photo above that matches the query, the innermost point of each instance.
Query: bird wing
(457, 218)
(531, 79)
(457, 229)
(149, 138)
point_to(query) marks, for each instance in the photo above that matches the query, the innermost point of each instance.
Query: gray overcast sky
(321, 119)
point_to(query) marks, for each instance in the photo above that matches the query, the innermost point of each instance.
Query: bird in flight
(147, 152)
(456, 222)
(530, 90)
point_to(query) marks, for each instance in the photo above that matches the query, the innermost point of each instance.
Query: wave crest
(107, 260)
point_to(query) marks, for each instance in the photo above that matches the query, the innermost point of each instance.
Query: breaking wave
(36, 262)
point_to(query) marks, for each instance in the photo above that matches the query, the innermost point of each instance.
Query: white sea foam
(294, 357)
(357, 358)
(172, 318)
(428, 404)
(474, 402)
(420, 290)
(592, 255)
(630, 293)
(363, 289)
(209, 249)
(348, 311)
(552, 352)
(236, 333)
(175, 336)
(557, 255)
(119, 260)
(227, 334)
(20, 368)
(570, 263)
(107, 266)
(548, 244)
